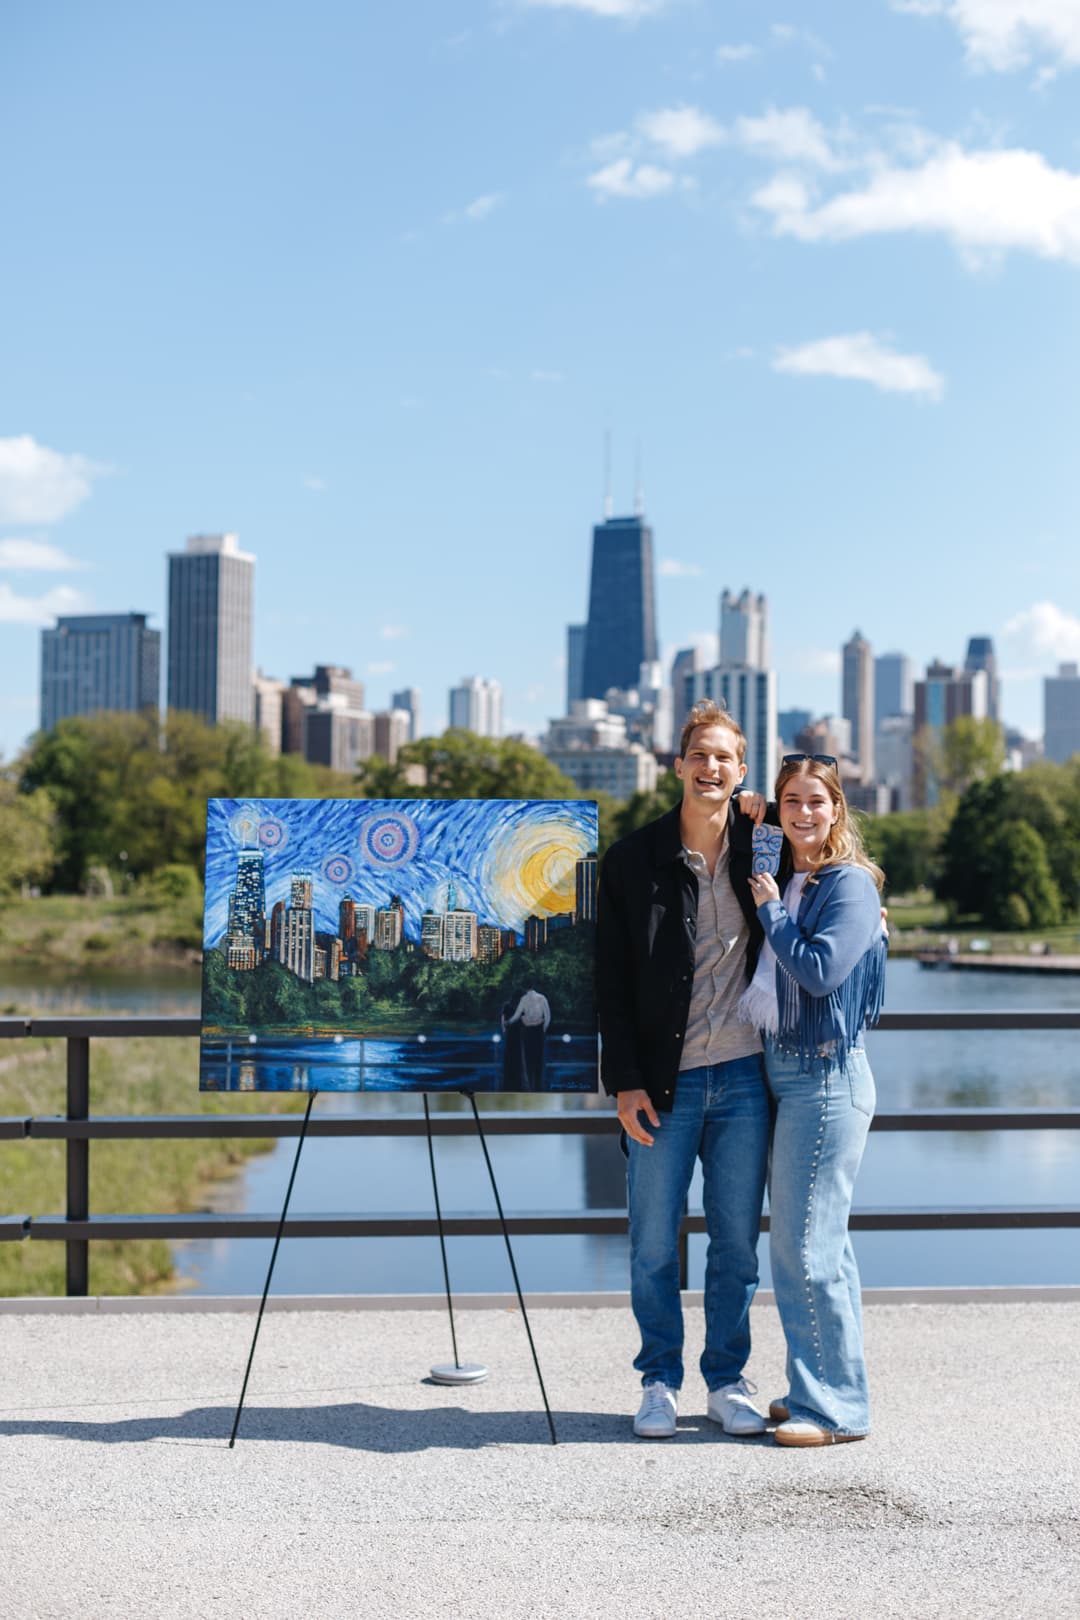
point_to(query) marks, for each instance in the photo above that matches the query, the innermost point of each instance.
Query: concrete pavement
(358, 1489)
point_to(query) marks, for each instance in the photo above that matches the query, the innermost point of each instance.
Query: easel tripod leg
(513, 1266)
(472, 1372)
(270, 1268)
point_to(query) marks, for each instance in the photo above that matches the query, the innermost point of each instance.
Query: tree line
(125, 795)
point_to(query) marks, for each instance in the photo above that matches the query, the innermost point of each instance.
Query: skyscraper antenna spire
(639, 493)
(607, 474)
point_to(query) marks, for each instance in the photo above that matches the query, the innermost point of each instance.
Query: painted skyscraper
(211, 614)
(620, 634)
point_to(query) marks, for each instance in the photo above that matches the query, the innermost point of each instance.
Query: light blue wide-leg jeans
(819, 1135)
(720, 1115)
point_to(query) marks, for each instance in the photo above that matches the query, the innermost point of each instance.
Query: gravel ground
(358, 1488)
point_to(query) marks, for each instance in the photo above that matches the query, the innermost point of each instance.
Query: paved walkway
(356, 1489)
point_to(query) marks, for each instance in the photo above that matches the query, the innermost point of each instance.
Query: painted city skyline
(335, 927)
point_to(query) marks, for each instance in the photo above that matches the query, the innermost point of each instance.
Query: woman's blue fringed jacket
(830, 976)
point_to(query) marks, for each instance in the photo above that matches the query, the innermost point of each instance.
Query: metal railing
(77, 1227)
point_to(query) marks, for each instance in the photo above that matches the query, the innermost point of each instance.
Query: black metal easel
(459, 1372)
(270, 1268)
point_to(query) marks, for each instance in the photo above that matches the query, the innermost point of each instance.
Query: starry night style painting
(399, 945)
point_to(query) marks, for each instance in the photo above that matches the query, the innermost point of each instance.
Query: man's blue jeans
(818, 1139)
(720, 1115)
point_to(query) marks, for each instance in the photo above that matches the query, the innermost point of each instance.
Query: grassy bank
(917, 922)
(75, 931)
(126, 1077)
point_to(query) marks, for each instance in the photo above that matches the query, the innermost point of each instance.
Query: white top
(758, 1004)
(532, 1009)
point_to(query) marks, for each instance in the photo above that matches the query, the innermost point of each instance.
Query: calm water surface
(552, 1173)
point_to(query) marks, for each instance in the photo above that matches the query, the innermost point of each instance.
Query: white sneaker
(733, 1409)
(656, 1414)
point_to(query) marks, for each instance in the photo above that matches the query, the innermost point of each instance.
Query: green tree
(1020, 879)
(907, 847)
(967, 849)
(644, 807)
(28, 835)
(948, 761)
(130, 793)
(461, 765)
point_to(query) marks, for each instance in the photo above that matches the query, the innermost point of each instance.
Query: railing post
(78, 1163)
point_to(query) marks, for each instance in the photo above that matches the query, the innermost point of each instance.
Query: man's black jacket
(647, 926)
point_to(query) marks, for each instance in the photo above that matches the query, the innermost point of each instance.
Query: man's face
(710, 770)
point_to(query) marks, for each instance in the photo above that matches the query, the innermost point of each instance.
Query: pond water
(917, 1070)
(912, 1070)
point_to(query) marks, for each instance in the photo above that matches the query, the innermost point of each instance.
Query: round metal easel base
(470, 1372)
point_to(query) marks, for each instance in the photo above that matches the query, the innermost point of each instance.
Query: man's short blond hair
(708, 713)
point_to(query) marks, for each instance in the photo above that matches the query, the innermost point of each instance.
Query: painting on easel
(399, 945)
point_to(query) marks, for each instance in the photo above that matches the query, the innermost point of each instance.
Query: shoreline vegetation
(128, 1076)
(76, 934)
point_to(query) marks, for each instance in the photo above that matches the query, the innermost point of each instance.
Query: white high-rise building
(1061, 713)
(857, 703)
(211, 625)
(744, 630)
(476, 705)
(749, 696)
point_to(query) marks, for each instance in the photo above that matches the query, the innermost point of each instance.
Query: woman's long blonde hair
(844, 845)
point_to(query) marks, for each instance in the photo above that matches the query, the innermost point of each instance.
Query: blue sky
(368, 285)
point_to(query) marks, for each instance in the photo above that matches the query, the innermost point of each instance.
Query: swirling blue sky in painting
(457, 841)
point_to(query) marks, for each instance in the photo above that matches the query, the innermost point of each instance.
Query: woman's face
(807, 815)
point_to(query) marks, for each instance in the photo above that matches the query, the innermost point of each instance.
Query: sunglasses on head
(798, 759)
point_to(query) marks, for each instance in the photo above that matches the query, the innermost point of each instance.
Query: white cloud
(816, 661)
(1044, 631)
(623, 179)
(393, 632)
(39, 485)
(629, 10)
(38, 610)
(316, 484)
(790, 134)
(36, 556)
(380, 667)
(481, 207)
(861, 357)
(1007, 34)
(735, 53)
(983, 202)
(681, 131)
(547, 377)
(476, 211)
(671, 568)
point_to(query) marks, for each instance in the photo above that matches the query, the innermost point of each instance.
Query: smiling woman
(819, 981)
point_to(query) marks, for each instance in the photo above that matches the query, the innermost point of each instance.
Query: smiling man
(678, 937)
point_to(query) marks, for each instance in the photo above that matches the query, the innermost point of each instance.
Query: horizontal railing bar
(182, 1027)
(13, 1228)
(55, 1228)
(592, 1122)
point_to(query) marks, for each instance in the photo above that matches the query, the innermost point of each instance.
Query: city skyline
(754, 246)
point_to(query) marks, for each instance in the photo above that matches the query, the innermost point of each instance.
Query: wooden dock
(984, 962)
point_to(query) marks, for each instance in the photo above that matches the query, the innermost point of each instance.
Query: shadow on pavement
(361, 1427)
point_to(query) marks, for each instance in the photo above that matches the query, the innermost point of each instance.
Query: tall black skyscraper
(621, 633)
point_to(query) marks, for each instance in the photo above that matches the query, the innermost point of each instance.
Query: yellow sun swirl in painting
(531, 871)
